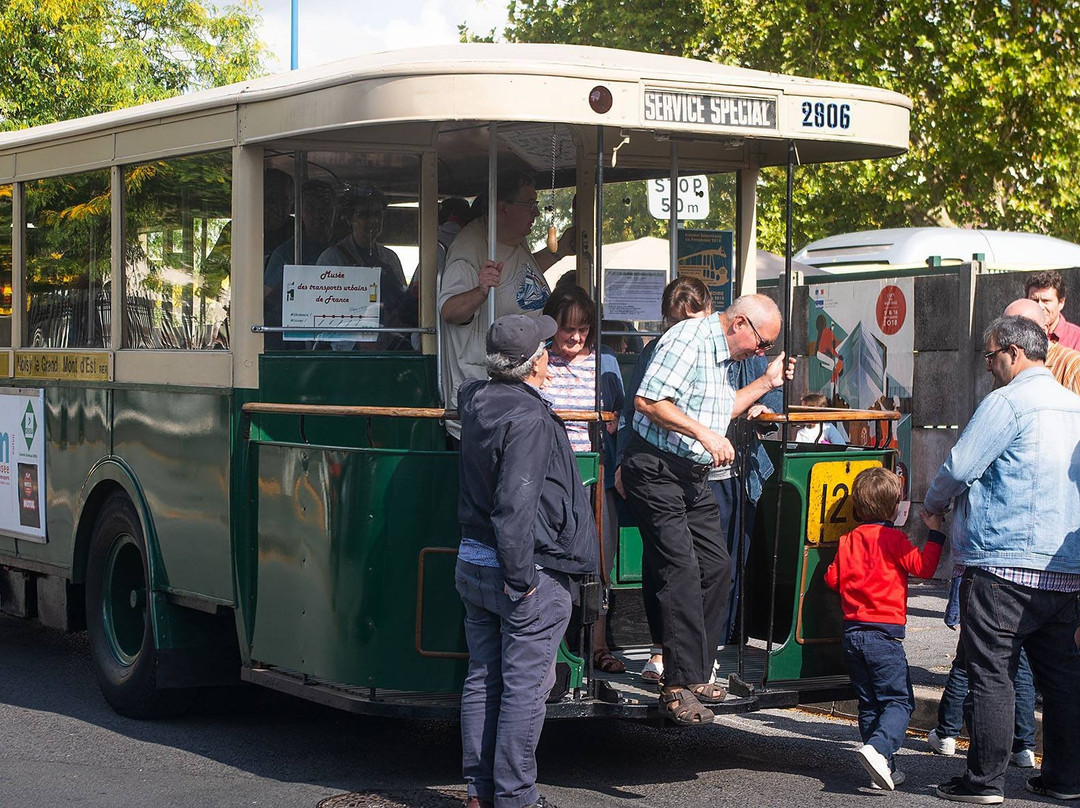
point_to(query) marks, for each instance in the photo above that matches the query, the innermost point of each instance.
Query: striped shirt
(572, 386)
(1064, 363)
(689, 368)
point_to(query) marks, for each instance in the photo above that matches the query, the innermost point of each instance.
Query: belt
(683, 464)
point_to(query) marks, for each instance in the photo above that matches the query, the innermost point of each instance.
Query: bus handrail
(802, 415)
(360, 410)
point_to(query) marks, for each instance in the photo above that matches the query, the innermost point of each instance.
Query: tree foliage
(62, 59)
(993, 82)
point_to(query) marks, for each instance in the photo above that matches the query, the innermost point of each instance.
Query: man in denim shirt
(1014, 474)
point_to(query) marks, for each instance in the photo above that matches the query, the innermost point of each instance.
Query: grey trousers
(512, 648)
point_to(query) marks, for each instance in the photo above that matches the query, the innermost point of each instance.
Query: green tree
(994, 84)
(63, 59)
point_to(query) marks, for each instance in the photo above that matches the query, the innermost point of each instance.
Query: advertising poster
(324, 299)
(861, 345)
(707, 254)
(22, 464)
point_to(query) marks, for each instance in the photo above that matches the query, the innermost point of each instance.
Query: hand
(932, 520)
(778, 370)
(612, 426)
(756, 410)
(489, 274)
(723, 453)
(618, 482)
(567, 242)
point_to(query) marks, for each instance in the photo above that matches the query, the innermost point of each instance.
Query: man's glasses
(762, 344)
(991, 354)
(531, 204)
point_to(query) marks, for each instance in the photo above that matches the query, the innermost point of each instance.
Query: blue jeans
(955, 705)
(1000, 618)
(729, 501)
(512, 646)
(879, 674)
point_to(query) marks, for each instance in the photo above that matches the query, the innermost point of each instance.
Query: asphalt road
(60, 744)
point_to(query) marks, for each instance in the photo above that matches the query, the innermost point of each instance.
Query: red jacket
(871, 572)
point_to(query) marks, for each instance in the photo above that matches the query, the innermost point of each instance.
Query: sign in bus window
(830, 512)
(326, 298)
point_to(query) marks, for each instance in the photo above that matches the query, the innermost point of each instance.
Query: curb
(923, 718)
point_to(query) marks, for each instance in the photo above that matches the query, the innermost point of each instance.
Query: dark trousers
(879, 674)
(512, 646)
(997, 619)
(955, 705)
(685, 560)
(729, 502)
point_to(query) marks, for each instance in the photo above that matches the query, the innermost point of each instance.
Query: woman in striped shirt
(571, 385)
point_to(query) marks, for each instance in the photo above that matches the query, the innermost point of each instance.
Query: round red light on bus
(600, 99)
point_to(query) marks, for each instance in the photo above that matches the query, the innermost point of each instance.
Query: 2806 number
(823, 115)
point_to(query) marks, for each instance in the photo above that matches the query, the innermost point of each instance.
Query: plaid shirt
(690, 368)
(1047, 580)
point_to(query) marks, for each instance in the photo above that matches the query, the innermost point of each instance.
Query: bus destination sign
(65, 365)
(739, 111)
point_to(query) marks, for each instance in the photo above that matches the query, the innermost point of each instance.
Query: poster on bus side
(329, 301)
(861, 340)
(707, 254)
(22, 463)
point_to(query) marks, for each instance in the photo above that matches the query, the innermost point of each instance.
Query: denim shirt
(1015, 474)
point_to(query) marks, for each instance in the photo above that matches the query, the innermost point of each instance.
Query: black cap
(517, 336)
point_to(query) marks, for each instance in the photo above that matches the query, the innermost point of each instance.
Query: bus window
(68, 261)
(342, 287)
(5, 265)
(177, 252)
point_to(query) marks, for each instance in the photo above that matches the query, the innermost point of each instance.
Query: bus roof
(912, 246)
(545, 83)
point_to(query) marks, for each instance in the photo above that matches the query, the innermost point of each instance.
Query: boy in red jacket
(871, 571)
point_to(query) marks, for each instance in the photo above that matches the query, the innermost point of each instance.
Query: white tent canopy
(655, 253)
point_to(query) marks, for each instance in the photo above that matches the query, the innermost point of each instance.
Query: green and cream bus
(229, 465)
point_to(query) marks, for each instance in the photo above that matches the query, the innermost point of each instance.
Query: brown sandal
(682, 707)
(709, 693)
(604, 660)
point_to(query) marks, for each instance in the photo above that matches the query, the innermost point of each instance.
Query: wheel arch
(108, 476)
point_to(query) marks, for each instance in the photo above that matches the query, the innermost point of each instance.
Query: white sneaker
(897, 778)
(877, 766)
(941, 745)
(1024, 759)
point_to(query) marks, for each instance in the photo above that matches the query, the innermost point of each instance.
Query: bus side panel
(76, 437)
(177, 444)
(353, 544)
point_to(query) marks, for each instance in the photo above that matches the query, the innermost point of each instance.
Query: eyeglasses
(762, 344)
(991, 354)
(531, 204)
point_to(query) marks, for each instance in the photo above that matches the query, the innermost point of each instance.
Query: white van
(914, 246)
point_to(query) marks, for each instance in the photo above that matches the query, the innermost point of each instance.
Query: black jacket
(521, 492)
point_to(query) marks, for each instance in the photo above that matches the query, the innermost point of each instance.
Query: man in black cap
(526, 529)
(364, 208)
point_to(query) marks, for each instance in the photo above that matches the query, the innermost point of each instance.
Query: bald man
(683, 407)
(1063, 362)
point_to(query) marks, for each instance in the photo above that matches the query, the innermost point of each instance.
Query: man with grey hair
(683, 407)
(526, 530)
(1013, 476)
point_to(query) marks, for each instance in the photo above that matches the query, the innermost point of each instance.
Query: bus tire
(121, 633)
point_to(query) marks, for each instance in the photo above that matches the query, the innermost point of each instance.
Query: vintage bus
(221, 450)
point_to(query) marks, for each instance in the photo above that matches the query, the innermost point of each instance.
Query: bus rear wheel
(118, 622)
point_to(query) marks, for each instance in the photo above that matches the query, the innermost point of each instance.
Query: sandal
(682, 707)
(709, 693)
(652, 671)
(604, 660)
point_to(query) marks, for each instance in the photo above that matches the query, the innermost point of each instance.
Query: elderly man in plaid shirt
(683, 408)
